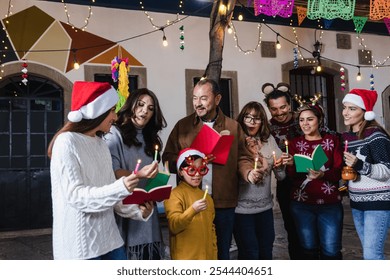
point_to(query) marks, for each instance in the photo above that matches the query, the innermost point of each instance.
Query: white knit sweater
(84, 194)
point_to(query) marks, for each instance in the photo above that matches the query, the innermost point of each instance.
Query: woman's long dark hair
(151, 129)
(265, 130)
(368, 125)
(82, 126)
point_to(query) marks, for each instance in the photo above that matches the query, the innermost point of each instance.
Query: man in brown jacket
(221, 179)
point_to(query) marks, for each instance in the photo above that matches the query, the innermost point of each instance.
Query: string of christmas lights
(86, 21)
(233, 28)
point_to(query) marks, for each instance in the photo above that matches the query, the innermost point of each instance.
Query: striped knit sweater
(371, 191)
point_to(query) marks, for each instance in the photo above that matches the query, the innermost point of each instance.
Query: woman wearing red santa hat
(85, 192)
(367, 151)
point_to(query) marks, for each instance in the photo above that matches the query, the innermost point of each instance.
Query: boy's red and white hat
(186, 153)
(91, 99)
(364, 99)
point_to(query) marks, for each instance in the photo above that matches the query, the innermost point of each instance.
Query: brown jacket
(225, 177)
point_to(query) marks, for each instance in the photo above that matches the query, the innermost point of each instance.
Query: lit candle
(256, 160)
(137, 166)
(155, 153)
(286, 143)
(274, 155)
(205, 192)
(346, 146)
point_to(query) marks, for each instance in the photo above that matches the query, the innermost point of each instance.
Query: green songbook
(303, 162)
(161, 179)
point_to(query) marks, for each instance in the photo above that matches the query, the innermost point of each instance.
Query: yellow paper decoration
(379, 9)
(123, 84)
(302, 12)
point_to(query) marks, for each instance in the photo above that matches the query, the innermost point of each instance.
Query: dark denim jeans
(255, 235)
(224, 222)
(372, 228)
(319, 229)
(283, 189)
(116, 254)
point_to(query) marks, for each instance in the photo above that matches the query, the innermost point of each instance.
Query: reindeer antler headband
(309, 105)
(313, 100)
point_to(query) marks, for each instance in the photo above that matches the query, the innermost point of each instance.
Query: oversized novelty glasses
(250, 119)
(192, 170)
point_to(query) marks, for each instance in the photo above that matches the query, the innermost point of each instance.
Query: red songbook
(140, 196)
(209, 141)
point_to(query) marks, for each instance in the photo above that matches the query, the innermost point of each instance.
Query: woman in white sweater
(254, 222)
(84, 189)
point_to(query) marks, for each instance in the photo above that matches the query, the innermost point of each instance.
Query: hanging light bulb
(240, 17)
(319, 67)
(359, 76)
(76, 65)
(230, 29)
(165, 42)
(222, 9)
(278, 45)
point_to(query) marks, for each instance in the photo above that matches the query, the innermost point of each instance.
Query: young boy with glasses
(190, 211)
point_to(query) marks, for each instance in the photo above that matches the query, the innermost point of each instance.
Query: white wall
(166, 65)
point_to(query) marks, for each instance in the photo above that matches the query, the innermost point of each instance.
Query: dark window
(29, 116)
(305, 82)
(133, 80)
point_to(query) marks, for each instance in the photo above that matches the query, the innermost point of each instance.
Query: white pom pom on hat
(364, 99)
(186, 153)
(75, 116)
(91, 99)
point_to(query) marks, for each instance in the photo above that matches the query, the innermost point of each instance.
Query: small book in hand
(209, 141)
(140, 196)
(303, 162)
(156, 189)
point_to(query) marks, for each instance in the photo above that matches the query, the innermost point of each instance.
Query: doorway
(29, 117)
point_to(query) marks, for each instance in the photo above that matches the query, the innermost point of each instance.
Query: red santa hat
(183, 154)
(364, 99)
(91, 99)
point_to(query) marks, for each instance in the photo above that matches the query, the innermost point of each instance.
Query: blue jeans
(116, 254)
(319, 229)
(283, 189)
(224, 222)
(255, 235)
(372, 227)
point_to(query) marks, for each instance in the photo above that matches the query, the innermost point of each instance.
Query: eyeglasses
(192, 170)
(250, 119)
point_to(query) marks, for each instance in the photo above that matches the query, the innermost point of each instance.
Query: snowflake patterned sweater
(371, 191)
(325, 189)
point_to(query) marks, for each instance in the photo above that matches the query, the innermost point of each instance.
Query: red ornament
(24, 71)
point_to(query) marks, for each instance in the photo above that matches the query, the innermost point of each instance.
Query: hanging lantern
(24, 73)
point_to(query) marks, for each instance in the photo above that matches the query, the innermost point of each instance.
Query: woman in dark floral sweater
(316, 202)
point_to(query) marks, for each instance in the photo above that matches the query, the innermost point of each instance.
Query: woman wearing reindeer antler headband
(316, 202)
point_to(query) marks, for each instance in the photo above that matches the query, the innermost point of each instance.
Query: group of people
(94, 167)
